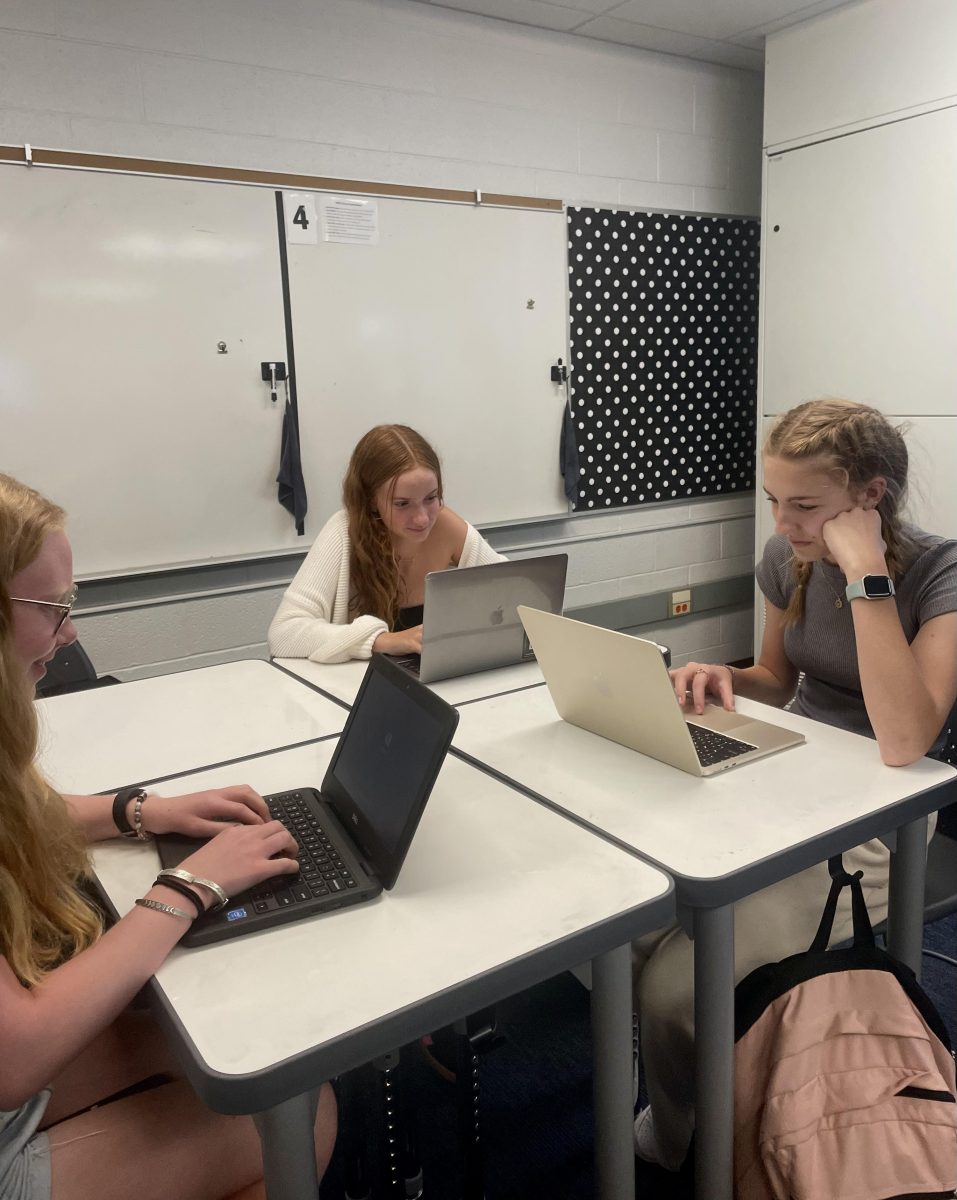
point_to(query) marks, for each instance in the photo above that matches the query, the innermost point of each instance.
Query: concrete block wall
(402, 92)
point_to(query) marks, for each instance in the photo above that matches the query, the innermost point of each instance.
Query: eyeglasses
(62, 607)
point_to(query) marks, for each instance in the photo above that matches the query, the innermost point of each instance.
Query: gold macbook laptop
(618, 686)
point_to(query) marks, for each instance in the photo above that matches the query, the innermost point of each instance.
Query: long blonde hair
(855, 444)
(380, 456)
(43, 917)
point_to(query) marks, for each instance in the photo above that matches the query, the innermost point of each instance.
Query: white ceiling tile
(681, 16)
(730, 54)
(795, 15)
(647, 37)
(753, 41)
(729, 32)
(526, 12)
(594, 7)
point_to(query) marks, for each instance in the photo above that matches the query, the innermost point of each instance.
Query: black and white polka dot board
(664, 344)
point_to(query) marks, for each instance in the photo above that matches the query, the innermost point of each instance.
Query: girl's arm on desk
(198, 814)
(45, 1026)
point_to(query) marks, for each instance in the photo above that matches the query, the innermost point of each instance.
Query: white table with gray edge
(721, 839)
(489, 902)
(104, 738)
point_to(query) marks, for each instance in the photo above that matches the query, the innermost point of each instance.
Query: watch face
(877, 587)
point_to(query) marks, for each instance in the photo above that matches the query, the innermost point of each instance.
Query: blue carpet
(536, 1108)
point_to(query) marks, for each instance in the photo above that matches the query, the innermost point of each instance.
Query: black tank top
(409, 617)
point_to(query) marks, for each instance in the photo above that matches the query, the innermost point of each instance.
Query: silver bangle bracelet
(187, 877)
(169, 909)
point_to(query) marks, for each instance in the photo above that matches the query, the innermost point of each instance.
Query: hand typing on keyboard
(322, 871)
(240, 856)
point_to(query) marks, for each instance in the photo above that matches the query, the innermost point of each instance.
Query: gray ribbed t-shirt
(822, 645)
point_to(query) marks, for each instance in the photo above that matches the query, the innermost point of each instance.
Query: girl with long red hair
(362, 584)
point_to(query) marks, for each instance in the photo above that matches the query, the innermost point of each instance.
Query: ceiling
(730, 32)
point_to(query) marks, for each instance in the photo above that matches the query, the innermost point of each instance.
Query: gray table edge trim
(313, 687)
(214, 766)
(715, 892)
(259, 1090)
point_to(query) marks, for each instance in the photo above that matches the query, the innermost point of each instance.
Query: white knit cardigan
(313, 617)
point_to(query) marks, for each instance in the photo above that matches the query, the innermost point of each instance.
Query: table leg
(611, 1006)
(905, 913)
(714, 1051)
(287, 1133)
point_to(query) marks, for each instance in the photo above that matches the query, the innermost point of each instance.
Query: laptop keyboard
(409, 663)
(714, 747)
(321, 869)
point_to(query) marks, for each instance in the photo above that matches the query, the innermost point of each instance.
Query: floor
(535, 1101)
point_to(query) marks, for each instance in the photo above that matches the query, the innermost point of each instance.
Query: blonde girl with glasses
(70, 1049)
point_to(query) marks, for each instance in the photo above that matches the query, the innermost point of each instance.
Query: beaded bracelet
(141, 833)
(187, 892)
(120, 801)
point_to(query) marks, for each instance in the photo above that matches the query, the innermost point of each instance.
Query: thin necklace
(838, 598)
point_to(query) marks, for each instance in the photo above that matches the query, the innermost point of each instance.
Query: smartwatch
(871, 587)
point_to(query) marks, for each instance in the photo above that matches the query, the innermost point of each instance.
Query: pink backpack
(844, 1075)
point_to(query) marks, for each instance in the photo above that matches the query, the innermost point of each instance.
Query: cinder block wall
(403, 92)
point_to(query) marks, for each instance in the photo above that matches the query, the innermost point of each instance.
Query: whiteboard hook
(478, 195)
(28, 153)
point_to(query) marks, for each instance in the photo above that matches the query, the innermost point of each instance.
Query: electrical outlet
(681, 603)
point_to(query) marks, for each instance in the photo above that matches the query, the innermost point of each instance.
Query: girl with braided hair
(362, 584)
(858, 603)
(861, 607)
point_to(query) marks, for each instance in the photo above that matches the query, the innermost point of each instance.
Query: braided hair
(854, 443)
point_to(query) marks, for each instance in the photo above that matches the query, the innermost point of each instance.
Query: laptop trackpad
(761, 734)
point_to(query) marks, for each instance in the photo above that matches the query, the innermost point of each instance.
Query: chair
(940, 893)
(70, 670)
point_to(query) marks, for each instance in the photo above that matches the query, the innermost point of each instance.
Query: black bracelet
(120, 801)
(183, 890)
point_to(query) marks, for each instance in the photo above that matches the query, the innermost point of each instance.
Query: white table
(104, 738)
(489, 902)
(340, 681)
(721, 839)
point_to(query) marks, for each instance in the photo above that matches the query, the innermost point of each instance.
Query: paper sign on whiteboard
(349, 219)
(301, 224)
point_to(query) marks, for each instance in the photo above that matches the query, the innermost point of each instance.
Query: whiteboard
(114, 399)
(449, 323)
(859, 273)
(117, 402)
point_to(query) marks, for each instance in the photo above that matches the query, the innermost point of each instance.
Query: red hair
(380, 457)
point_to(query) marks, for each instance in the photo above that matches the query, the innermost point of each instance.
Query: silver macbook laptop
(618, 686)
(470, 619)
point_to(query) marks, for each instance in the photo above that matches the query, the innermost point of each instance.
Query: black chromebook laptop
(355, 831)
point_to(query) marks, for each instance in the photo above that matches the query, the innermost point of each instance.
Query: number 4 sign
(301, 225)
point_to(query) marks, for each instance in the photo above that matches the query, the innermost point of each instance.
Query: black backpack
(844, 1074)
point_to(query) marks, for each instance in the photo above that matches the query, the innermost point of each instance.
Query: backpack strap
(840, 879)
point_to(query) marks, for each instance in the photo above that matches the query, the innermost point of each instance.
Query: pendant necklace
(838, 599)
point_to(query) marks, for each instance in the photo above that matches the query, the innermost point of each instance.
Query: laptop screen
(386, 762)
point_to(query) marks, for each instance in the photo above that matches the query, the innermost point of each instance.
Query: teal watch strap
(871, 587)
